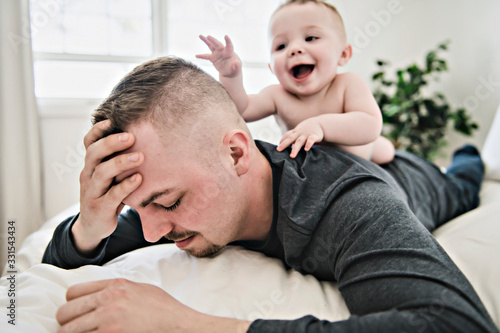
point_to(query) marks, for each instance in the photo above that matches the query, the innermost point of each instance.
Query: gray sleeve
(392, 273)
(128, 236)
(61, 251)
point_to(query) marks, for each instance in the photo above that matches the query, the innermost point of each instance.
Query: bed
(243, 284)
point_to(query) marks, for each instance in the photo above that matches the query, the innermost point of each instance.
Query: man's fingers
(120, 191)
(83, 299)
(85, 323)
(114, 197)
(96, 133)
(88, 288)
(105, 172)
(104, 148)
(74, 316)
(79, 314)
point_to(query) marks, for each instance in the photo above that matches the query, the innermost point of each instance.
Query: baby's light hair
(322, 2)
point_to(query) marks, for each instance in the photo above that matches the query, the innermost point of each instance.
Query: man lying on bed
(169, 143)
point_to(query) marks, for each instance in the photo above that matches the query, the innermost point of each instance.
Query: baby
(313, 102)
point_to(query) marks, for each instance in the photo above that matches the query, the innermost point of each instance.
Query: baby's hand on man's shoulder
(305, 134)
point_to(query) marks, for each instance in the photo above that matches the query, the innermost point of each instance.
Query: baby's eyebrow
(314, 27)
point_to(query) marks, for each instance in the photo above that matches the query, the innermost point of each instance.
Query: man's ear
(346, 55)
(237, 143)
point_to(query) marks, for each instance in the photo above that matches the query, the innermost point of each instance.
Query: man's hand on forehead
(119, 178)
(124, 137)
(101, 196)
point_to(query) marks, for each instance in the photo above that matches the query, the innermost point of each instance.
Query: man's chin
(206, 252)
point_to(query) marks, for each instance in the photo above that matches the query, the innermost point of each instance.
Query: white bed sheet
(237, 282)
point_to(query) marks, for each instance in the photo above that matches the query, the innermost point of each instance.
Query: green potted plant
(413, 120)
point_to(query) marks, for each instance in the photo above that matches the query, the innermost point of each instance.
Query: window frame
(62, 107)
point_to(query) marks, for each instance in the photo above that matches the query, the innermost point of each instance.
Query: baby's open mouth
(301, 71)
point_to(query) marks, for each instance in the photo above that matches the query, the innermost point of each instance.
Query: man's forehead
(145, 141)
(165, 152)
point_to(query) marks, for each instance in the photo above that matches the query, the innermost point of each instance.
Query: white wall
(63, 152)
(401, 37)
(402, 31)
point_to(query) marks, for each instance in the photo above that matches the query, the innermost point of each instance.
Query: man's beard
(210, 250)
(206, 252)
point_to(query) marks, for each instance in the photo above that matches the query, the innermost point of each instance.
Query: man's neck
(260, 208)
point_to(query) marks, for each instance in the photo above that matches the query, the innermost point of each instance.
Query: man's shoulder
(324, 153)
(318, 169)
(310, 189)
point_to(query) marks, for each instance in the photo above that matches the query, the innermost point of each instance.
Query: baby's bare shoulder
(280, 94)
(350, 82)
(272, 88)
(349, 78)
(277, 90)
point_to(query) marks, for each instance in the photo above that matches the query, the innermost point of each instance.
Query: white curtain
(491, 149)
(20, 165)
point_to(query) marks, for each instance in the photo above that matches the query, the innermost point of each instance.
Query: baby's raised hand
(305, 134)
(222, 57)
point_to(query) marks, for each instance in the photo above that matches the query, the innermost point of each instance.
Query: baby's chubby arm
(361, 120)
(359, 123)
(228, 64)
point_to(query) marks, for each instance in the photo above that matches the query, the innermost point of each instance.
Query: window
(82, 48)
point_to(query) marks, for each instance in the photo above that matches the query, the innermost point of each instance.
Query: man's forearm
(426, 319)
(84, 245)
(63, 253)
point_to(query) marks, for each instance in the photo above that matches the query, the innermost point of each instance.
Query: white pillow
(491, 149)
(472, 241)
(235, 283)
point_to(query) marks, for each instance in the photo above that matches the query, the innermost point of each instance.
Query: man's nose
(154, 225)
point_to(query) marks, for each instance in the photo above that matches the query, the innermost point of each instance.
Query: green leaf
(444, 45)
(412, 120)
(378, 76)
(391, 110)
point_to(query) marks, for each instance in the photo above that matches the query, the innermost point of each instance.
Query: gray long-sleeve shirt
(344, 219)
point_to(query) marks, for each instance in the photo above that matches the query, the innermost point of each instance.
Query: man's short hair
(166, 91)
